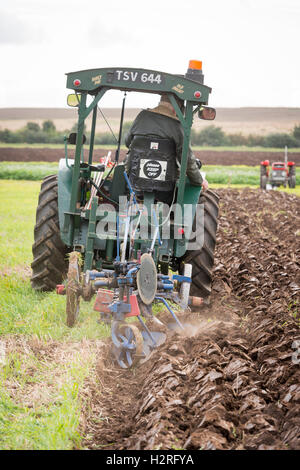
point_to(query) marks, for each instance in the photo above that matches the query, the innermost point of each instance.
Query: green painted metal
(190, 199)
(109, 250)
(187, 123)
(85, 111)
(118, 186)
(92, 138)
(70, 219)
(132, 79)
(89, 253)
(79, 228)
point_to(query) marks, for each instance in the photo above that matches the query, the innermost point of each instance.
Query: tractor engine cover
(152, 164)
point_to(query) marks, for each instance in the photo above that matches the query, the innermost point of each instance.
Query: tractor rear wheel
(49, 265)
(263, 182)
(202, 260)
(292, 181)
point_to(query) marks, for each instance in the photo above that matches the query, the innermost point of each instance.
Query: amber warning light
(195, 64)
(194, 72)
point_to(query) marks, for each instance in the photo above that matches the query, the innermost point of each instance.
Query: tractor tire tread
(49, 264)
(203, 260)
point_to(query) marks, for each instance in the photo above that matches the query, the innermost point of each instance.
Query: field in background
(237, 148)
(260, 121)
(215, 174)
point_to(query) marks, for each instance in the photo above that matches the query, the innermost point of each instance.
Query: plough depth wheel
(128, 344)
(73, 289)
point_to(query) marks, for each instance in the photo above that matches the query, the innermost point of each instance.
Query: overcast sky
(249, 48)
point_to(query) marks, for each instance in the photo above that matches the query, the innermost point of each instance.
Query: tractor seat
(153, 167)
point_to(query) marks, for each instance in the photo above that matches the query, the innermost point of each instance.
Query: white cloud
(17, 31)
(249, 48)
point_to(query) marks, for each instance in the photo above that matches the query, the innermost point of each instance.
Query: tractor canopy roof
(141, 80)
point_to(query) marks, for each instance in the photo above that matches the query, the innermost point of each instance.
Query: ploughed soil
(232, 382)
(208, 157)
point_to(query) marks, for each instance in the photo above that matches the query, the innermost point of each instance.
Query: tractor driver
(159, 124)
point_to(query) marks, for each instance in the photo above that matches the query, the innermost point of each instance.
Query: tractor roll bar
(96, 82)
(141, 80)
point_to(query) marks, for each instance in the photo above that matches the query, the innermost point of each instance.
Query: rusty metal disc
(147, 279)
(73, 289)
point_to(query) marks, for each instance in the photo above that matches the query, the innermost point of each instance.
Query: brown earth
(208, 157)
(233, 382)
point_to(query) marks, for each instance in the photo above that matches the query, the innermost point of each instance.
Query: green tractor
(94, 236)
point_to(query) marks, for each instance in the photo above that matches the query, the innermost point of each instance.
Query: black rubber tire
(49, 264)
(202, 261)
(292, 170)
(263, 182)
(292, 181)
(263, 171)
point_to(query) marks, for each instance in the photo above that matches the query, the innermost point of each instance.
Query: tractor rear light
(197, 94)
(77, 82)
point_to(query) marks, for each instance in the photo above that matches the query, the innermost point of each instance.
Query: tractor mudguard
(191, 196)
(64, 196)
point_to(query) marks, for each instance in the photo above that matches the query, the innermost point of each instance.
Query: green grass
(216, 174)
(29, 315)
(243, 148)
(235, 174)
(50, 426)
(31, 171)
(240, 148)
(22, 310)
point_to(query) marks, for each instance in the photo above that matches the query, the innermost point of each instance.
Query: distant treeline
(216, 137)
(209, 136)
(33, 133)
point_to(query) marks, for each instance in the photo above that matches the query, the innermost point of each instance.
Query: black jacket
(149, 123)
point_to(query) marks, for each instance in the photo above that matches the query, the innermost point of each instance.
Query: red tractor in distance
(281, 173)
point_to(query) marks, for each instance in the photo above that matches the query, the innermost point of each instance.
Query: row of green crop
(198, 148)
(217, 174)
